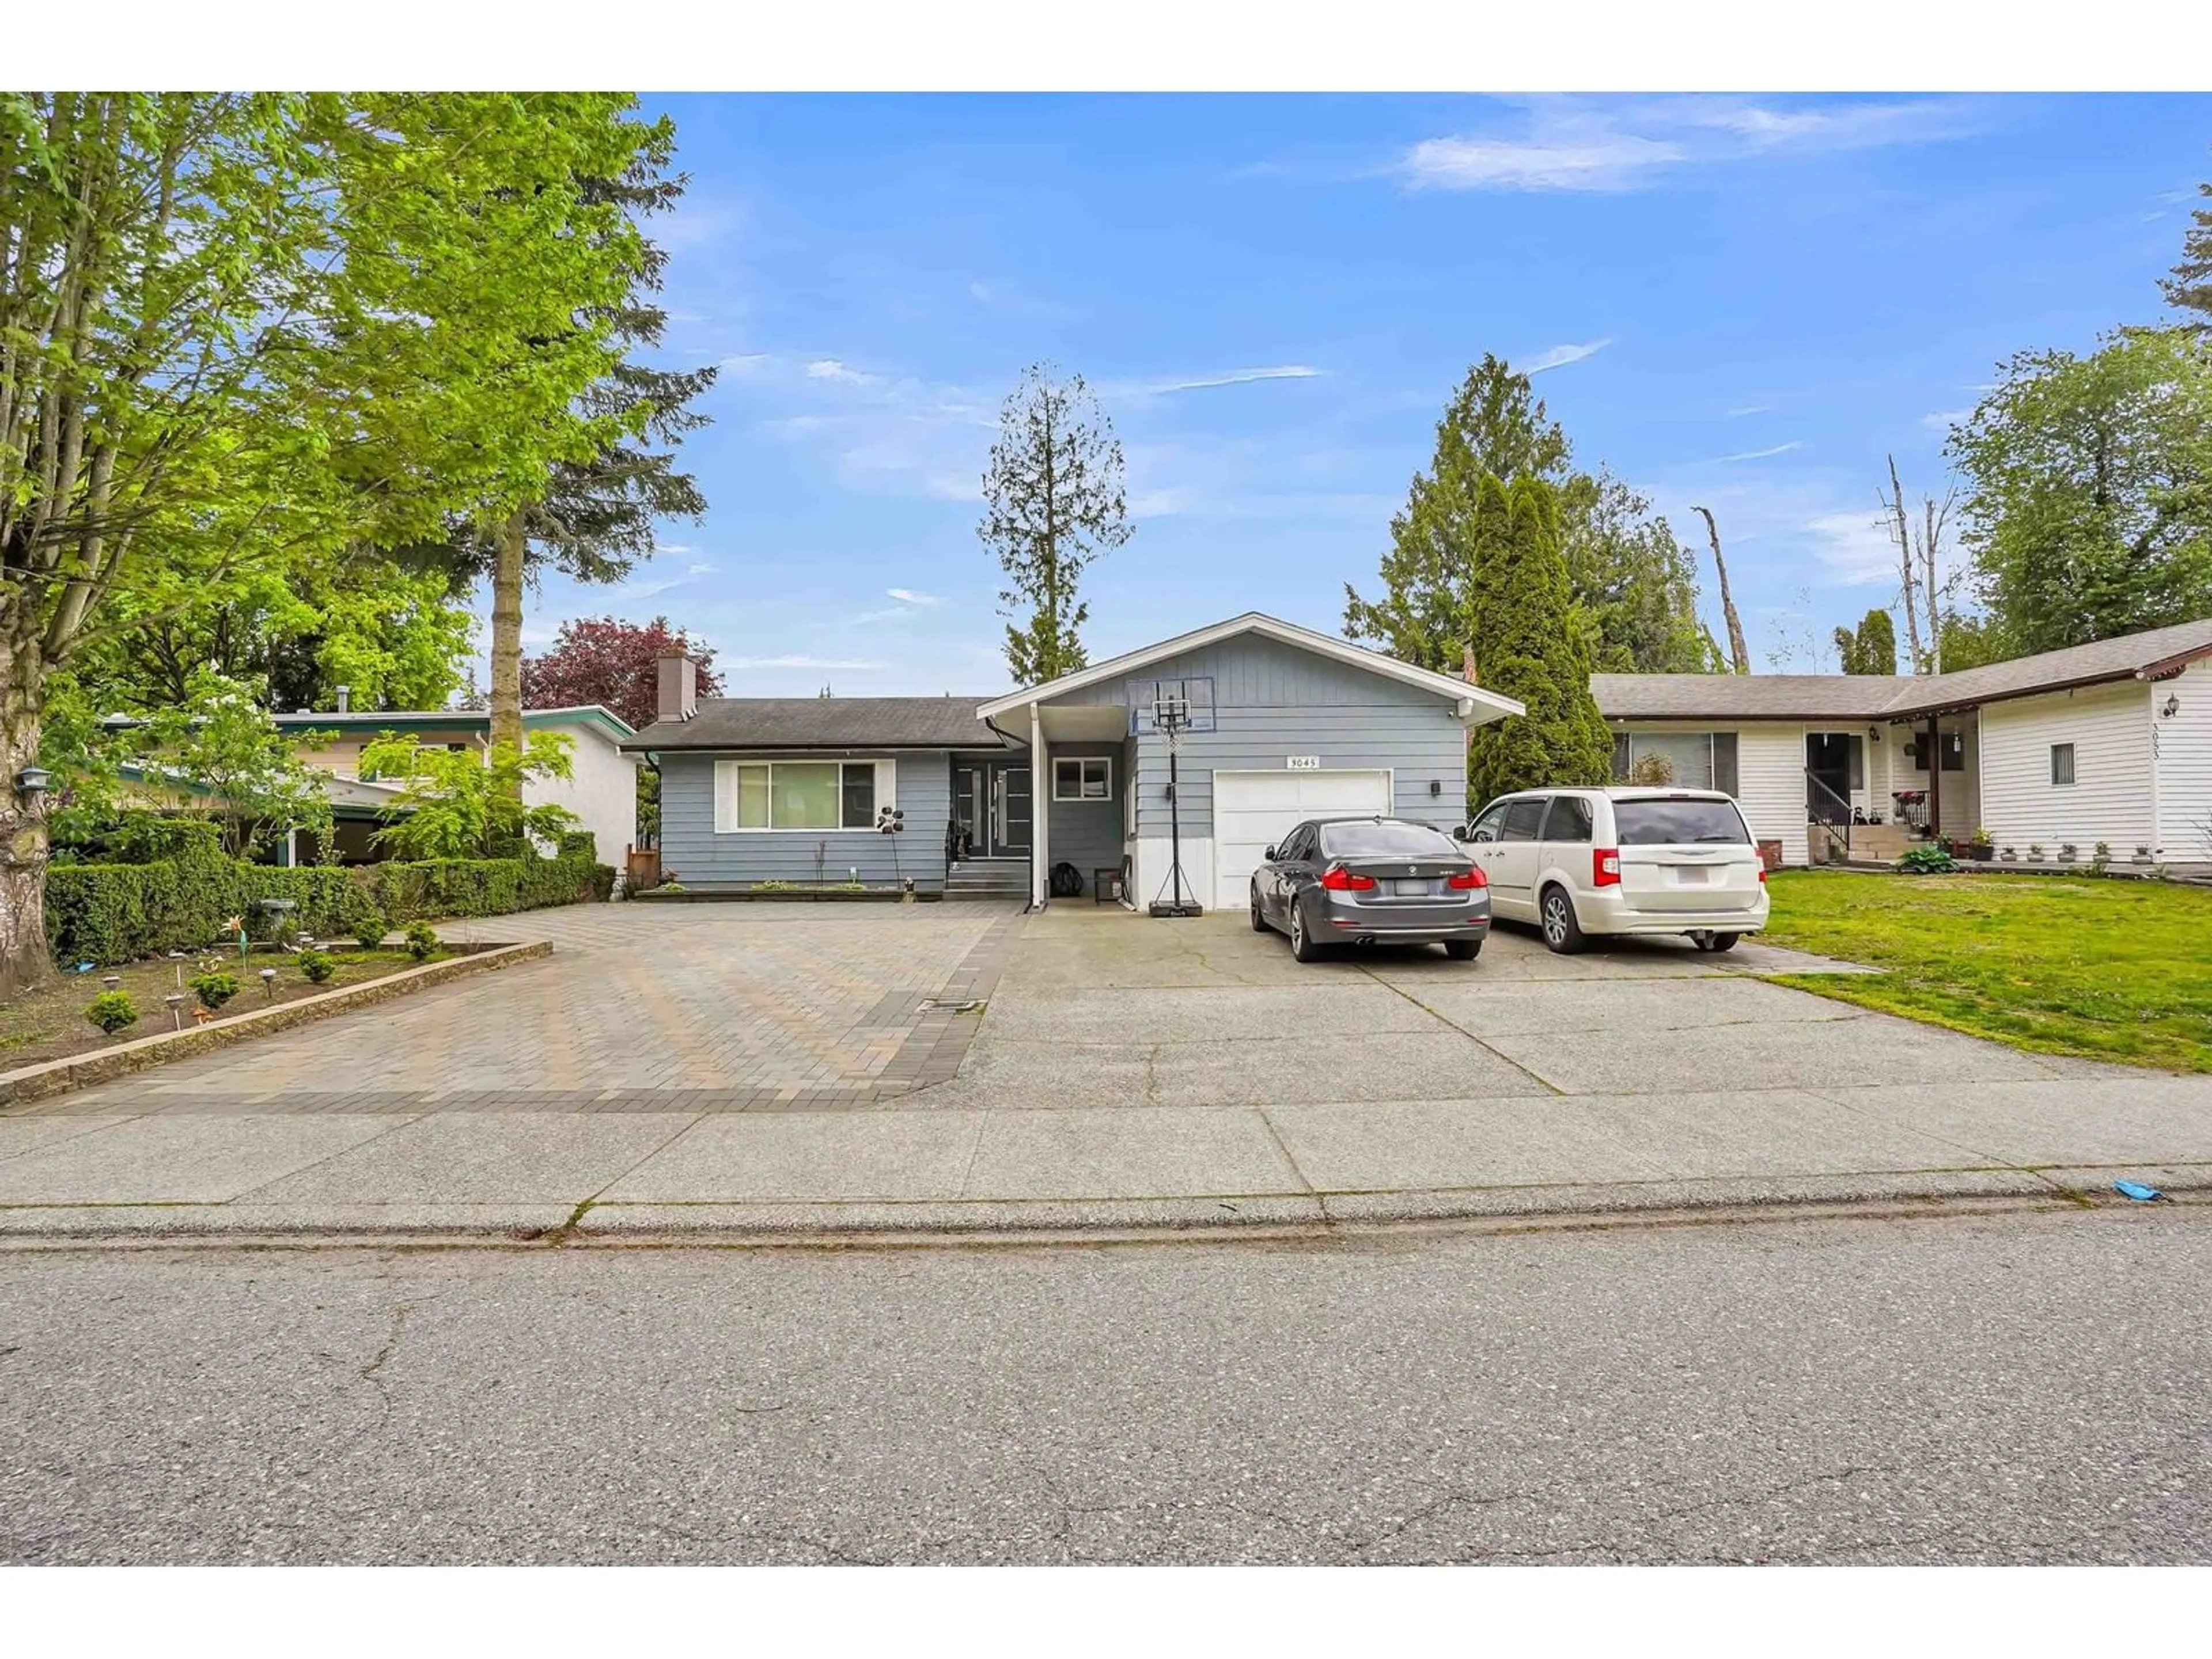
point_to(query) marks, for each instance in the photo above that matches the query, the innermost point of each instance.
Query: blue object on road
(2137, 1191)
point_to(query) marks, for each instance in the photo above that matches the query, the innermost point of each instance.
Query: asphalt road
(2008, 1389)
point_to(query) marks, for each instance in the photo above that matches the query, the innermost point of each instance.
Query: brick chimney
(679, 687)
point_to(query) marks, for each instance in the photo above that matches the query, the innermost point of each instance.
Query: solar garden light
(176, 999)
(113, 982)
(269, 983)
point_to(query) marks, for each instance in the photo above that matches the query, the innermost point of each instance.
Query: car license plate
(1407, 889)
(1694, 875)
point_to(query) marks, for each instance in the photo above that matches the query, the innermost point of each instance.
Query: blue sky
(1744, 302)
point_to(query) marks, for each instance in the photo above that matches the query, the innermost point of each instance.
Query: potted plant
(2142, 855)
(2010, 855)
(2067, 852)
(1979, 847)
(2035, 852)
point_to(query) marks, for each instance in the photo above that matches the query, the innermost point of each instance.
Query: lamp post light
(175, 1001)
(269, 984)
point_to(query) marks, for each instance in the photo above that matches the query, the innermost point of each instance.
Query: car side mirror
(1271, 855)
(1460, 833)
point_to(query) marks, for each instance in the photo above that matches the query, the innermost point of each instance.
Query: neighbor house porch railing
(1829, 814)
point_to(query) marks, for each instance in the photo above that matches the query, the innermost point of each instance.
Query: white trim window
(801, 796)
(2062, 765)
(1083, 777)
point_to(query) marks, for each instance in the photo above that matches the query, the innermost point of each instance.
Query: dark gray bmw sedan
(1370, 881)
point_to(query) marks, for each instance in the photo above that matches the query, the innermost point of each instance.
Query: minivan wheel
(1302, 945)
(1562, 933)
(1717, 942)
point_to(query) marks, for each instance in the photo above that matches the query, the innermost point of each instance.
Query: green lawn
(2119, 970)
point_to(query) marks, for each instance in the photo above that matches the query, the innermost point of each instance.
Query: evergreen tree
(1871, 648)
(1529, 647)
(2189, 288)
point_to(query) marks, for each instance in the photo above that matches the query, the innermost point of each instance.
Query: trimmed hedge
(111, 913)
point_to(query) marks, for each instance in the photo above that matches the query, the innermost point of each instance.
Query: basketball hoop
(1171, 718)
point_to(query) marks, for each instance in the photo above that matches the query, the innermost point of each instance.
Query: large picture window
(1695, 760)
(759, 795)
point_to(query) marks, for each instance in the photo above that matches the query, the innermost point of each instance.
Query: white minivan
(1622, 859)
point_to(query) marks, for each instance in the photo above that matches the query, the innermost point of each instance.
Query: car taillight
(1605, 867)
(1337, 879)
(1762, 872)
(1465, 881)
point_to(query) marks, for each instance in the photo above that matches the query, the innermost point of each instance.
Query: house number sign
(1302, 762)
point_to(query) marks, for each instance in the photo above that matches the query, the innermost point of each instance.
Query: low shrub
(214, 987)
(1928, 860)
(369, 928)
(318, 965)
(422, 941)
(112, 1012)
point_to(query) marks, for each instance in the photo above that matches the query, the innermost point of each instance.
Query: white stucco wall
(603, 793)
(2111, 799)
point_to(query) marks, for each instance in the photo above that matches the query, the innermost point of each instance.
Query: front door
(1834, 766)
(1009, 810)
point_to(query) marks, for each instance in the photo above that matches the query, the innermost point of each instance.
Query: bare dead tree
(1936, 517)
(1900, 534)
(1740, 656)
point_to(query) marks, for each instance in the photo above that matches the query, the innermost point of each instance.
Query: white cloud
(1761, 455)
(829, 368)
(1570, 144)
(907, 596)
(889, 613)
(1944, 419)
(747, 362)
(844, 664)
(1559, 356)
(1201, 382)
(1854, 547)
(1743, 410)
(699, 569)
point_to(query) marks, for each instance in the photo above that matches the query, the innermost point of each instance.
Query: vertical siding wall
(2110, 798)
(702, 858)
(1272, 701)
(2185, 766)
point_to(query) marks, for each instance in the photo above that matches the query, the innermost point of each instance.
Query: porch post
(1040, 812)
(1936, 776)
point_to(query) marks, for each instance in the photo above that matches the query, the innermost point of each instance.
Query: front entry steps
(989, 878)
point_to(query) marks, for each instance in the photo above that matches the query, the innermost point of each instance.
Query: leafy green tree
(1634, 584)
(247, 328)
(1871, 648)
(463, 803)
(221, 744)
(1974, 642)
(2089, 503)
(1529, 650)
(1053, 502)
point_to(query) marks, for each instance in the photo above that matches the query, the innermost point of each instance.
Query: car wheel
(1462, 950)
(1718, 942)
(1258, 921)
(1302, 944)
(1562, 932)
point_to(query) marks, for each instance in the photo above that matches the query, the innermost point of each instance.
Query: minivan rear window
(1678, 822)
(1385, 841)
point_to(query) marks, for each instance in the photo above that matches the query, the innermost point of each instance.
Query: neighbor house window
(1087, 777)
(1695, 760)
(799, 794)
(2061, 763)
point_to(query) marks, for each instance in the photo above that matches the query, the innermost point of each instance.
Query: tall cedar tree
(1531, 650)
(2089, 490)
(1870, 648)
(255, 327)
(1636, 585)
(1054, 501)
(2189, 289)
(593, 517)
(606, 660)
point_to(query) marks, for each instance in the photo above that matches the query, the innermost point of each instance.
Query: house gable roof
(1480, 706)
(825, 723)
(2146, 655)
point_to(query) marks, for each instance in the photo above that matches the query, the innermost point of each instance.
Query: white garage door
(1252, 811)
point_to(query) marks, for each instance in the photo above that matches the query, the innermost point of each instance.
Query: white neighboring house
(2109, 741)
(601, 792)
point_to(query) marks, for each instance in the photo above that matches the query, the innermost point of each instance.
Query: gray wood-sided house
(1283, 724)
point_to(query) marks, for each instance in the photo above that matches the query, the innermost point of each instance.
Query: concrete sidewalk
(1051, 1168)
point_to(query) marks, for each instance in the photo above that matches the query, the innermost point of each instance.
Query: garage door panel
(1252, 811)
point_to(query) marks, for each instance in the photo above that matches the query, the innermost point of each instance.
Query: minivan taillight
(1605, 867)
(1337, 879)
(1465, 881)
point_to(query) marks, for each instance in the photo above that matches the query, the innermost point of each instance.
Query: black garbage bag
(1067, 881)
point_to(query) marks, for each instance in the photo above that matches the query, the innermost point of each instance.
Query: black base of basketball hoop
(1188, 908)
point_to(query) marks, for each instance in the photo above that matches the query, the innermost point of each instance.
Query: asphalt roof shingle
(1889, 696)
(825, 723)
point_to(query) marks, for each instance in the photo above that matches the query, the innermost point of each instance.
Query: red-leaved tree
(606, 660)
